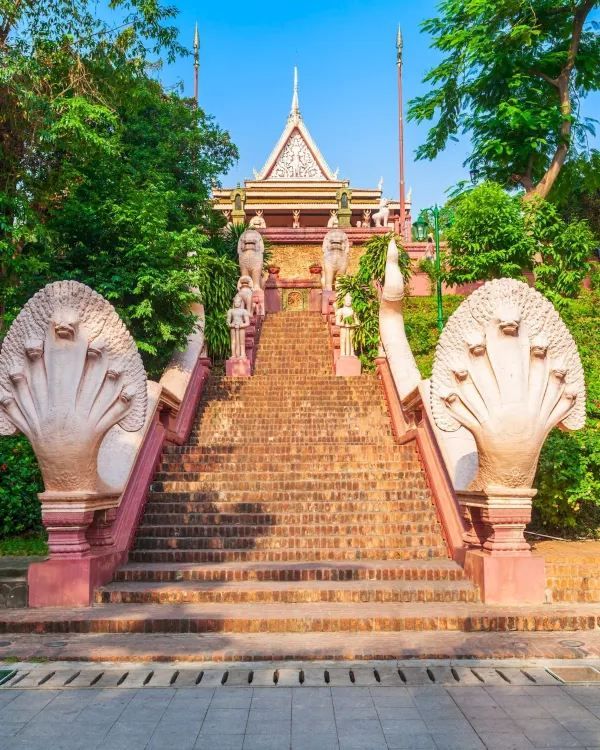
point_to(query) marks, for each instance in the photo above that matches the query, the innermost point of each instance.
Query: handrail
(410, 421)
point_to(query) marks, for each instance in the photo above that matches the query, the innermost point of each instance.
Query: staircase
(290, 491)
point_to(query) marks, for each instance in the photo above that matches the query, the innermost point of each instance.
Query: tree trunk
(561, 83)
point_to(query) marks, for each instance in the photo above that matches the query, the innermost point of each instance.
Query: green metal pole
(438, 267)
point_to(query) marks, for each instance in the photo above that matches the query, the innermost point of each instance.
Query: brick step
(436, 569)
(302, 618)
(359, 542)
(275, 520)
(283, 555)
(300, 485)
(329, 530)
(307, 475)
(251, 463)
(324, 452)
(359, 592)
(214, 503)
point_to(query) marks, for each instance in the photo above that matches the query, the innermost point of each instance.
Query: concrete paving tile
(362, 743)
(232, 698)
(315, 741)
(225, 721)
(354, 713)
(262, 724)
(410, 742)
(266, 742)
(219, 742)
(548, 733)
(317, 726)
(408, 727)
(264, 697)
(392, 697)
(398, 713)
(457, 741)
(359, 729)
(505, 741)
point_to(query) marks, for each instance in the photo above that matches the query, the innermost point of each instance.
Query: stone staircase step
(359, 592)
(285, 555)
(441, 569)
(301, 618)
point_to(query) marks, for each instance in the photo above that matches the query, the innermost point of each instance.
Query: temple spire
(196, 61)
(295, 109)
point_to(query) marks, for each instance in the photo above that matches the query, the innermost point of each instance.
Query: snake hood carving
(69, 371)
(507, 369)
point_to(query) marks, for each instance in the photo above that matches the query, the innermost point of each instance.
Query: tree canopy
(512, 75)
(105, 175)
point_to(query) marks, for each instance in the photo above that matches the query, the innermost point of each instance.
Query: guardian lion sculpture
(336, 251)
(251, 249)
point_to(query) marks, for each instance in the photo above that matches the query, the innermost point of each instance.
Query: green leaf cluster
(20, 481)
(363, 287)
(498, 235)
(568, 475)
(106, 176)
(511, 75)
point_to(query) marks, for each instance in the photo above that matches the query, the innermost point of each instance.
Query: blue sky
(345, 52)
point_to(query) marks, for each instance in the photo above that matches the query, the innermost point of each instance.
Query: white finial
(196, 38)
(295, 111)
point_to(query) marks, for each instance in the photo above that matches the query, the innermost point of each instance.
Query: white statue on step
(251, 249)
(336, 252)
(347, 322)
(245, 289)
(333, 222)
(382, 216)
(238, 319)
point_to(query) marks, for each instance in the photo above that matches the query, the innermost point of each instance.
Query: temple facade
(296, 197)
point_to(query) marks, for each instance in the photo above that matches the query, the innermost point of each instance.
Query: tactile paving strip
(310, 676)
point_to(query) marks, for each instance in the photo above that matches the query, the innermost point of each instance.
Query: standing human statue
(346, 320)
(238, 319)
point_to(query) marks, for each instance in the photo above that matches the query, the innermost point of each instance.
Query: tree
(511, 76)
(106, 177)
(576, 193)
(487, 239)
(497, 235)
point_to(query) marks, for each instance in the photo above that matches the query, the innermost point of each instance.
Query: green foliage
(511, 75)
(363, 286)
(487, 239)
(371, 266)
(24, 546)
(568, 476)
(576, 193)
(20, 481)
(422, 332)
(498, 235)
(561, 250)
(106, 176)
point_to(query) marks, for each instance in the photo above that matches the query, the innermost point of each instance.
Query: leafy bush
(568, 476)
(20, 481)
(363, 287)
(497, 235)
(487, 239)
(420, 322)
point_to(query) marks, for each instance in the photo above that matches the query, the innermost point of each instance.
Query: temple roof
(296, 155)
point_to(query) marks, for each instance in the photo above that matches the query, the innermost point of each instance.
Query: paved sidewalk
(497, 717)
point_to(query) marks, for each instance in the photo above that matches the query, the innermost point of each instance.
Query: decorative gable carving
(296, 162)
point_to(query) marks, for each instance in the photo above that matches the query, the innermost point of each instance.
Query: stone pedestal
(314, 300)
(68, 516)
(500, 560)
(326, 295)
(238, 367)
(344, 216)
(272, 294)
(507, 579)
(347, 366)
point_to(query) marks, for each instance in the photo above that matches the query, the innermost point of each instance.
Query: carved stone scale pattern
(296, 162)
